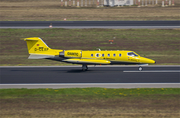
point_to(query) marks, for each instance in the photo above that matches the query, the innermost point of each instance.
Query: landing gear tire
(140, 68)
(84, 68)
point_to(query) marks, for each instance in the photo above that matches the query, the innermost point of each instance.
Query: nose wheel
(84, 67)
(140, 68)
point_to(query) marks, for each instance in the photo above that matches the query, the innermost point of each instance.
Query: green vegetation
(161, 45)
(90, 102)
(94, 93)
(51, 10)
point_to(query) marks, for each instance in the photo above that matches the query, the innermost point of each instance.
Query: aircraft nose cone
(146, 60)
(152, 61)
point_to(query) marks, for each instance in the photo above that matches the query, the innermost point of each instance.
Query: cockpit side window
(132, 54)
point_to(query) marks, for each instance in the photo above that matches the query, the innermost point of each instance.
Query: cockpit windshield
(132, 54)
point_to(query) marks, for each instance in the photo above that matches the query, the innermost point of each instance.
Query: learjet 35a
(38, 49)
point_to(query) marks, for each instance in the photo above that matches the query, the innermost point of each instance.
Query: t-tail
(38, 49)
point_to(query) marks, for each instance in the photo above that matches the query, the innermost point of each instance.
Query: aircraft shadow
(69, 71)
(65, 71)
(78, 71)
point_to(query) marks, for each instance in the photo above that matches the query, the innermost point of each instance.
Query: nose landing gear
(84, 67)
(140, 68)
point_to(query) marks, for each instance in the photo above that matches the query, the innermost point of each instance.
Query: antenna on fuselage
(99, 49)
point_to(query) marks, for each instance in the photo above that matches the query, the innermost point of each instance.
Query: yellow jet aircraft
(38, 49)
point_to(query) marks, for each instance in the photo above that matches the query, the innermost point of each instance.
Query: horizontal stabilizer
(38, 56)
(87, 61)
(29, 39)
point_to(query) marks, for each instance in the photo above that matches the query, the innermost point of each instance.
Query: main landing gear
(84, 67)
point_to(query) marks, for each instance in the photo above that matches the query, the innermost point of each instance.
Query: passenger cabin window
(108, 55)
(91, 55)
(114, 55)
(97, 55)
(102, 55)
(119, 55)
(132, 54)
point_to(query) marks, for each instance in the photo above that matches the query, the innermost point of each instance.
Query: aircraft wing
(87, 61)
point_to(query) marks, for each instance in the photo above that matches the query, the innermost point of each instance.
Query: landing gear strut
(140, 68)
(84, 67)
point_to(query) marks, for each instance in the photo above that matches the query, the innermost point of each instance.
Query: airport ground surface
(91, 24)
(70, 104)
(90, 103)
(116, 74)
(45, 10)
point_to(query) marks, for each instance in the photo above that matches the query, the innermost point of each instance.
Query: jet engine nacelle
(71, 53)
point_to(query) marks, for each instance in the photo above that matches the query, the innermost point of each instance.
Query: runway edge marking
(85, 85)
(159, 71)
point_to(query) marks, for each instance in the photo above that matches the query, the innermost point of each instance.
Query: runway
(99, 74)
(91, 24)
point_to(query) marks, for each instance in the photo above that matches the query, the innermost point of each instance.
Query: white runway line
(85, 85)
(154, 71)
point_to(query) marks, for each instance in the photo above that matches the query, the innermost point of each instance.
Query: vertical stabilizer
(36, 45)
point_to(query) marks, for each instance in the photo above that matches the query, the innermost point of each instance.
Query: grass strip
(95, 92)
(162, 45)
(90, 102)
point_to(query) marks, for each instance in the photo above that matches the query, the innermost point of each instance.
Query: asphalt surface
(90, 24)
(102, 74)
